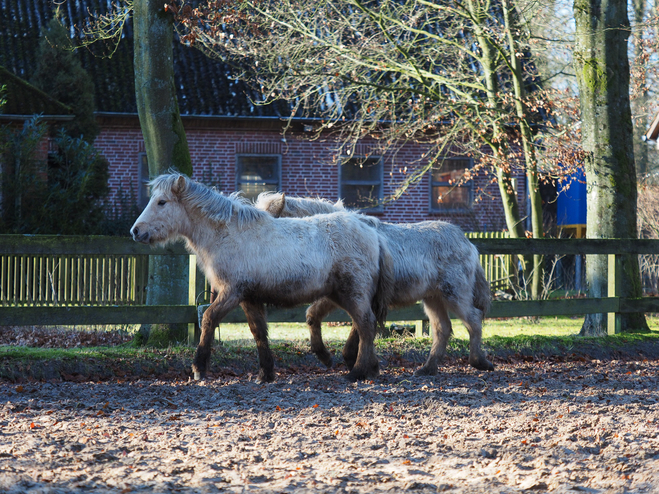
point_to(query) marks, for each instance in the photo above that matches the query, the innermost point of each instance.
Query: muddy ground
(542, 424)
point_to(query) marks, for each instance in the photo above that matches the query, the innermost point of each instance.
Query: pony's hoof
(199, 376)
(326, 359)
(359, 375)
(265, 377)
(426, 371)
(327, 362)
(483, 364)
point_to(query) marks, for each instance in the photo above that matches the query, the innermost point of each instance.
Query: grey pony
(433, 262)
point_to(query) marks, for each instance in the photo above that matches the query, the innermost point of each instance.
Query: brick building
(236, 145)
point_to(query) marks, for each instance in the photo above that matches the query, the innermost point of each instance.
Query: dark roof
(24, 99)
(204, 86)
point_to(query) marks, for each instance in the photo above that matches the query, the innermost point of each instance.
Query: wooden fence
(498, 267)
(73, 280)
(73, 246)
(50, 279)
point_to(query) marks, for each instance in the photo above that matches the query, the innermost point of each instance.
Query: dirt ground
(553, 424)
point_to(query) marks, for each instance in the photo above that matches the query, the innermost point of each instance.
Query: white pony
(252, 259)
(433, 262)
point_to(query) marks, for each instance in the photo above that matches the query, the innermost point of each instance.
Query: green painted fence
(35, 271)
(56, 313)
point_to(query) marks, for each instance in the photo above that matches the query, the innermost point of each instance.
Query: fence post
(192, 297)
(421, 328)
(614, 275)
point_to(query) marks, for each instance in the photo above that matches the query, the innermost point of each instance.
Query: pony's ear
(277, 207)
(179, 185)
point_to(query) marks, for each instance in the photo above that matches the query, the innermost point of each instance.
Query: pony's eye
(162, 202)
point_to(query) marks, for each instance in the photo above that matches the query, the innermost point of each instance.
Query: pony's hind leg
(473, 321)
(351, 348)
(440, 322)
(315, 315)
(363, 333)
(212, 317)
(258, 325)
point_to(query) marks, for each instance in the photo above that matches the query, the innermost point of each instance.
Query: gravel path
(541, 425)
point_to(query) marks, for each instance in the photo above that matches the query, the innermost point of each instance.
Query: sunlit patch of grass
(548, 326)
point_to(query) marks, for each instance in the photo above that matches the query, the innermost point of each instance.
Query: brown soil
(534, 424)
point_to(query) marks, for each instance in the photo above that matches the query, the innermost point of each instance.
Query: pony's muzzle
(140, 236)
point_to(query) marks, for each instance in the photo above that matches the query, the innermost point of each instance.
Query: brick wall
(309, 168)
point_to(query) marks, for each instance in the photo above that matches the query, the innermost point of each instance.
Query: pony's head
(179, 205)
(164, 215)
(281, 206)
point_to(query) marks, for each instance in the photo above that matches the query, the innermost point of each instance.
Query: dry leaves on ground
(538, 426)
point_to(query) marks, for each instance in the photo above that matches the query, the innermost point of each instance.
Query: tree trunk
(522, 111)
(166, 147)
(602, 67)
(489, 57)
(640, 104)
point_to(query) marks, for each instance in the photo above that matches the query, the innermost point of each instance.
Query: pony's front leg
(212, 317)
(258, 325)
(315, 315)
(363, 321)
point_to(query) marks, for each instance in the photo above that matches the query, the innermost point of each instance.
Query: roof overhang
(47, 118)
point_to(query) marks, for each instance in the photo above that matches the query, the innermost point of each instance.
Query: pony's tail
(385, 285)
(482, 294)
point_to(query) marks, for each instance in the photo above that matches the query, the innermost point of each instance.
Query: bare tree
(165, 142)
(454, 75)
(602, 30)
(160, 119)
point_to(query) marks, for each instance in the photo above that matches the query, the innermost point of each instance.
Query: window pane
(251, 190)
(360, 196)
(258, 168)
(363, 169)
(450, 197)
(450, 170)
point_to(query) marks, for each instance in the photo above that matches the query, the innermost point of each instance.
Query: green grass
(290, 344)
(123, 351)
(513, 327)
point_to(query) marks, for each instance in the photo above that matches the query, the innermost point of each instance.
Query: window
(447, 192)
(143, 184)
(257, 173)
(361, 183)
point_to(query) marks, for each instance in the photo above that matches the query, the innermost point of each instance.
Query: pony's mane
(216, 206)
(298, 207)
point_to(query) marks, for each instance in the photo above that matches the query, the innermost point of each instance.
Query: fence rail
(56, 313)
(73, 270)
(53, 271)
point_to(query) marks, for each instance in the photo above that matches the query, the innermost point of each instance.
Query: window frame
(238, 164)
(380, 183)
(432, 208)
